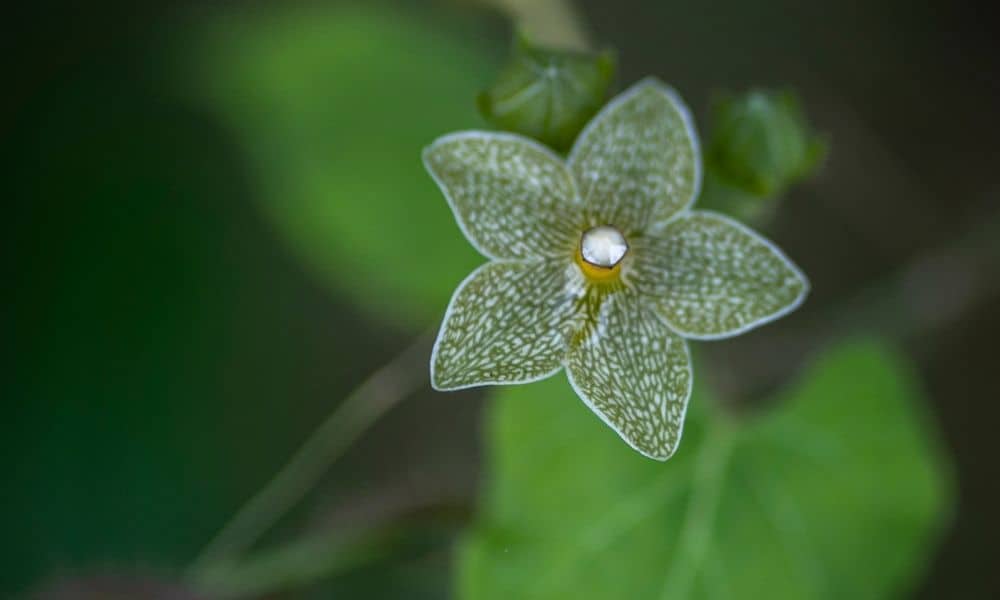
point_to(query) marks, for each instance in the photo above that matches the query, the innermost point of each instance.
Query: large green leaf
(332, 106)
(837, 492)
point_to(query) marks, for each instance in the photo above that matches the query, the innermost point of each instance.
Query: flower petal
(712, 277)
(637, 163)
(512, 197)
(635, 373)
(508, 322)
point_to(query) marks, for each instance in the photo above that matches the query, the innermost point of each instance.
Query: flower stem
(316, 556)
(385, 388)
(695, 537)
(554, 23)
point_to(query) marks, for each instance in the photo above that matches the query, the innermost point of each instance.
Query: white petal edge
(683, 418)
(806, 286)
(621, 434)
(437, 341)
(484, 135)
(686, 117)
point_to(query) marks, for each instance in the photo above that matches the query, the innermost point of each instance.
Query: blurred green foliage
(332, 106)
(835, 492)
(115, 412)
(548, 94)
(169, 356)
(761, 142)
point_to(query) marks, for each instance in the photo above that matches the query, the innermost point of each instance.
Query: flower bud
(761, 143)
(548, 94)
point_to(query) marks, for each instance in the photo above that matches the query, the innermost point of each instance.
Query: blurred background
(219, 226)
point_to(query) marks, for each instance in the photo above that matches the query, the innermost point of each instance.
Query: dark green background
(166, 350)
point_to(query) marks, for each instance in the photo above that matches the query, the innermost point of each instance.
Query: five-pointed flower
(598, 264)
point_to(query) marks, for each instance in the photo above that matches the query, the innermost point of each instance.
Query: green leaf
(548, 94)
(332, 107)
(837, 492)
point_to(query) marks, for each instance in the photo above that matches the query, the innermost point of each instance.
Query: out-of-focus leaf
(836, 492)
(548, 94)
(332, 106)
(761, 143)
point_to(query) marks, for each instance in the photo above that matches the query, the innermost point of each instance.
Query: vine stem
(383, 389)
(695, 537)
(551, 22)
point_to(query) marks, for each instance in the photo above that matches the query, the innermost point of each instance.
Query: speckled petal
(712, 277)
(635, 373)
(512, 197)
(637, 163)
(508, 322)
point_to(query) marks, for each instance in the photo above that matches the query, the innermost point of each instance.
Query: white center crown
(603, 246)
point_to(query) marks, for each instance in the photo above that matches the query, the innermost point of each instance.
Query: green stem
(380, 392)
(554, 23)
(695, 537)
(321, 555)
(293, 564)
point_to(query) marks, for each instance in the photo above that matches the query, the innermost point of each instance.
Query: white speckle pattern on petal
(711, 277)
(512, 197)
(637, 163)
(635, 373)
(509, 322)
(621, 203)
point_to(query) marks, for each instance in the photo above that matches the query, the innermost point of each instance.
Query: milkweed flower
(599, 265)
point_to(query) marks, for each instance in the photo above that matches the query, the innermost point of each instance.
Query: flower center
(601, 252)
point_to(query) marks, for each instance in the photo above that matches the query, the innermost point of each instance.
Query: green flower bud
(548, 94)
(761, 143)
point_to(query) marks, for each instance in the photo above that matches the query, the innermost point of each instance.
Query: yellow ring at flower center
(595, 273)
(600, 273)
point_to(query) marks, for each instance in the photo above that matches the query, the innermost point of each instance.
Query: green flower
(599, 265)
